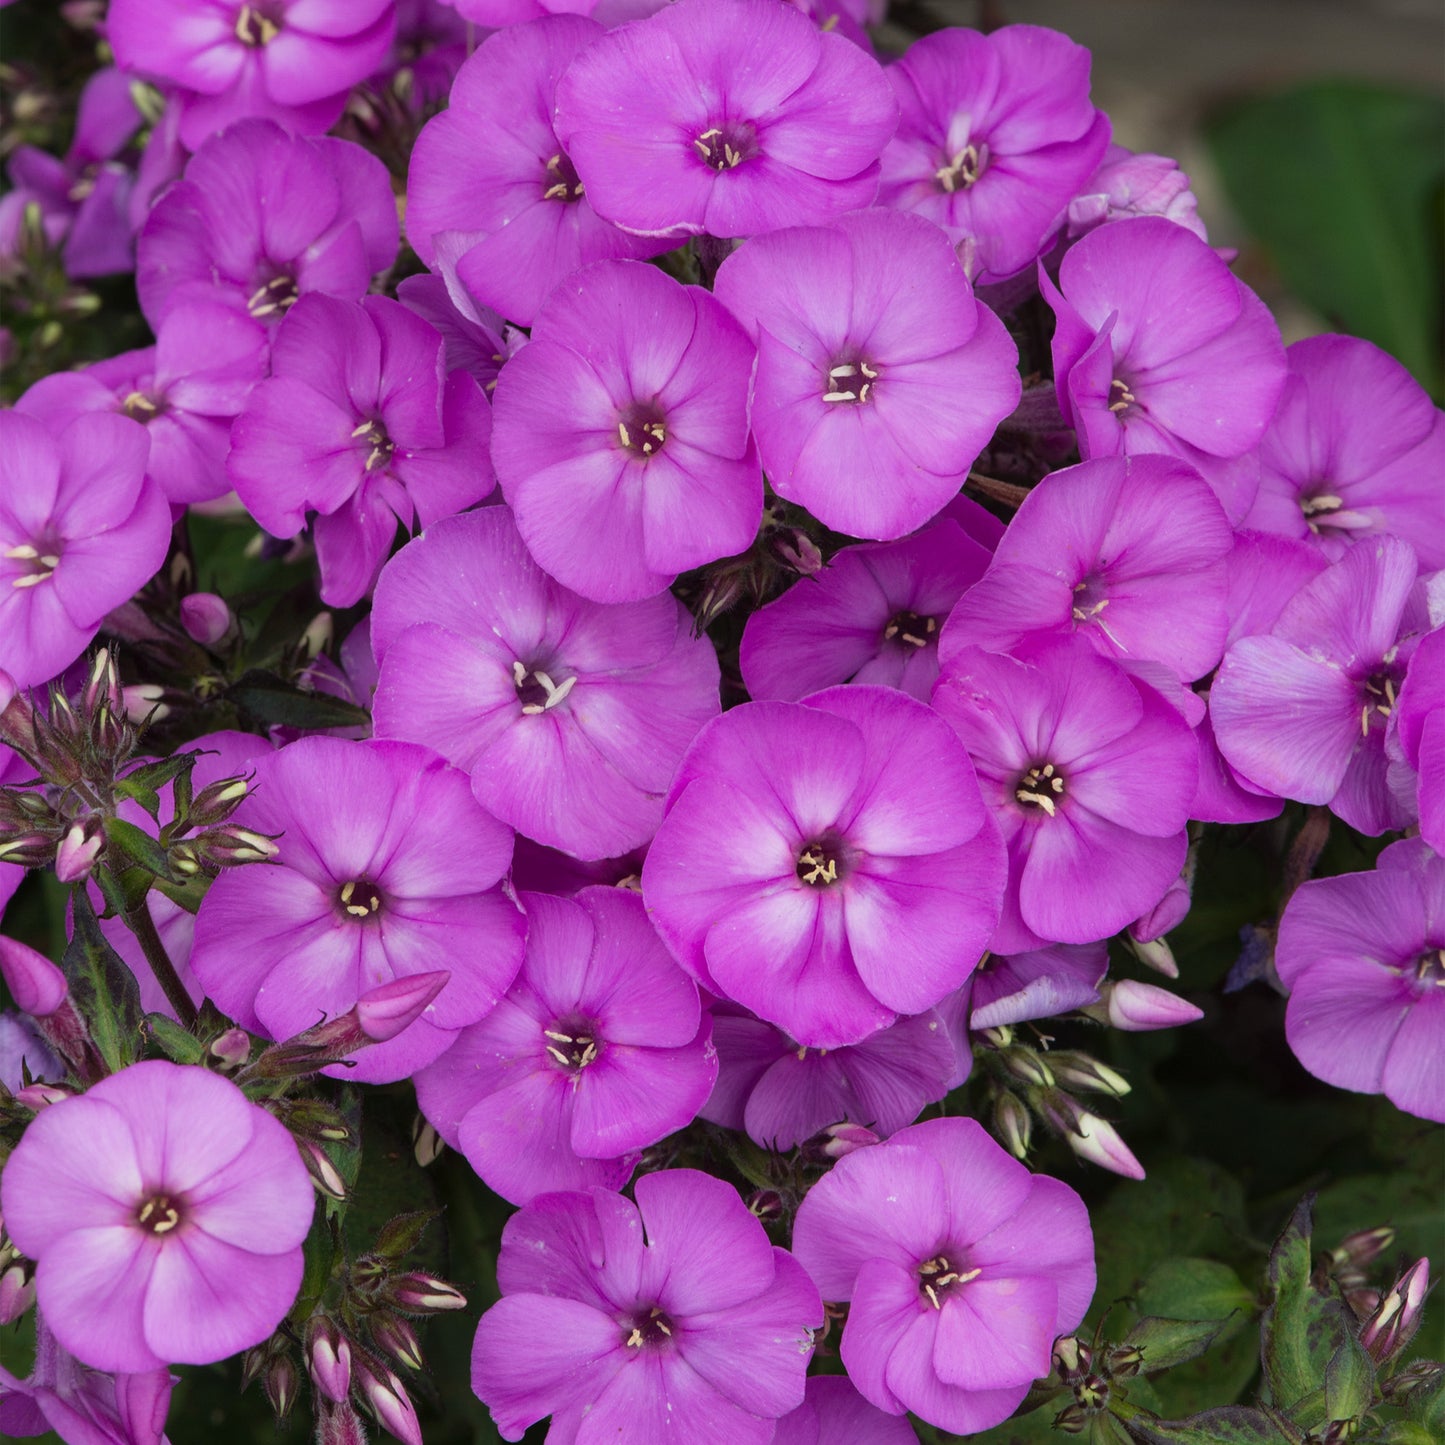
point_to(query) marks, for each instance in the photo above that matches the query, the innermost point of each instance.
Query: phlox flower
(828, 864)
(1417, 739)
(165, 1213)
(1134, 184)
(724, 117)
(263, 217)
(647, 470)
(961, 1268)
(570, 716)
(81, 529)
(997, 134)
(834, 1413)
(360, 423)
(1363, 956)
(290, 61)
(672, 1318)
(386, 868)
(1355, 449)
(874, 614)
(1088, 772)
(598, 1049)
(1158, 348)
(1014, 988)
(879, 378)
(490, 183)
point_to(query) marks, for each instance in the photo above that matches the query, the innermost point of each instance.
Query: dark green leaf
(1195, 1289)
(124, 890)
(188, 894)
(180, 1045)
(1341, 183)
(136, 847)
(269, 699)
(1171, 1342)
(1232, 1425)
(1349, 1381)
(143, 784)
(102, 987)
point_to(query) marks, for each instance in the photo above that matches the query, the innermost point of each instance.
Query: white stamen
(23, 553)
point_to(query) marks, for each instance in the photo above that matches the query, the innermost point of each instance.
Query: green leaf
(143, 784)
(1232, 1425)
(1349, 1381)
(136, 847)
(1172, 1342)
(180, 1045)
(189, 894)
(1341, 182)
(1195, 1289)
(266, 698)
(125, 890)
(102, 987)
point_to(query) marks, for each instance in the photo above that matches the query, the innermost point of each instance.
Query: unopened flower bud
(1072, 1419)
(1013, 1124)
(798, 551)
(145, 702)
(839, 1139)
(1413, 1379)
(206, 618)
(1137, 1007)
(324, 1174)
(1392, 1326)
(328, 1358)
(28, 849)
(423, 1294)
(1091, 1137)
(1070, 1356)
(184, 860)
(78, 851)
(1026, 1065)
(37, 986)
(765, 1205)
(216, 802)
(383, 1012)
(42, 1096)
(318, 635)
(339, 1424)
(17, 1292)
(232, 1048)
(281, 1382)
(1082, 1071)
(231, 846)
(102, 688)
(1124, 1361)
(1363, 1247)
(1155, 954)
(395, 1337)
(427, 1146)
(389, 1402)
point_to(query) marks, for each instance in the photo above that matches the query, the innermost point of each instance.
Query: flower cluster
(699, 761)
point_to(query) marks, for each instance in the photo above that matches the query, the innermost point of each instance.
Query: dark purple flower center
(38, 559)
(960, 170)
(159, 1214)
(940, 1275)
(360, 898)
(909, 629)
(1324, 511)
(277, 294)
(258, 25)
(1121, 397)
(1090, 599)
(823, 862)
(573, 1043)
(1377, 695)
(726, 146)
(560, 181)
(142, 407)
(849, 379)
(1429, 969)
(647, 1329)
(642, 429)
(536, 690)
(1041, 787)
(379, 447)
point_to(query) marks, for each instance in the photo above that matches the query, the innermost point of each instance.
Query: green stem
(140, 923)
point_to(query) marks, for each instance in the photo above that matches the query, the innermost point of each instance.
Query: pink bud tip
(1136, 1007)
(328, 1358)
(384, 1012)
(41, 1096)
(841, 1139)
(1098, 1141)
(232, 1048)
(37, 986)
(17, 1293)
(205, 617)
(76, 854)
(393, 1408)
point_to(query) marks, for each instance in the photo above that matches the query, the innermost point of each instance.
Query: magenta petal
(1413, 1078)
(884, 1310)
(1343, 1020)
(112, 1262)
(996, 1332)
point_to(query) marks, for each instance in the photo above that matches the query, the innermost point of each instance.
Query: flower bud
(423, 1294)
(328, 1358)
(37, 986)
(765, 1205)
(145, 702)
(78, 851)
(1091, 1137)
(427, 1146)
(1363, 1247)
(281, 1382)
(1155, 954)
(1026, 1065)
(318, 635)
(1137, 1007)
(42, 1096)
(339, 1424)
(1081, 1071)
(395, 1336)
(1070, 1356)
(839, 1139)
(391, 1405)
(230, 846)
(216, 802)
(1013, 1123)
(1392, 1326)
(324, 1174)
(17, 1292)
(206, 618)
(102, 687)
(28, 849)
(232, 1048)
(383, 1012)
(1072, 1419)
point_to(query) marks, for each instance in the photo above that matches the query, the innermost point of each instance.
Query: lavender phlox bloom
(874, 614)
(570, 716)
(781, 1093)
(426, 53)
(490, 181)
(599, 1049)
(165, 1213)
(826, 864)
(1355, 449)
(386, 868)
(264, 216)
(498, 13)
(1158, 348)
(1415, 743)
(961, 1268)
(997, 134)
(1302, 711)
(361, 424)
(648, 470)
(352, 678)
(834, 1413)
(1089, 773)
(670, 1319)
(184, 390)
(84, 197)
(83, 1406)
(1133, 550)
(1015, 988)
(477, 340)
(879, 379)
(1363, 955)
(81, 529)
(291, 61)
(724, 117)
(1129, 184)
(162, 160)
